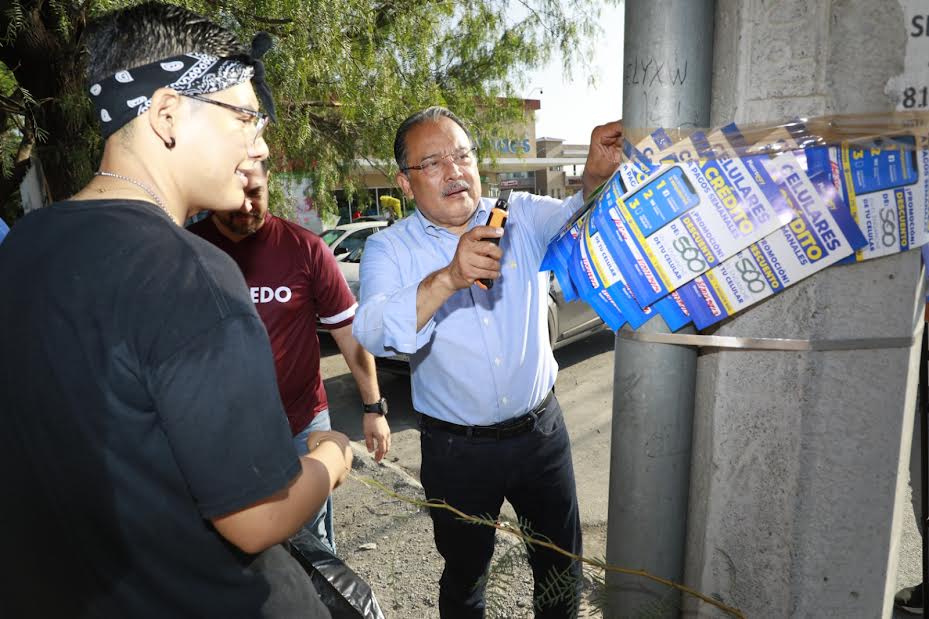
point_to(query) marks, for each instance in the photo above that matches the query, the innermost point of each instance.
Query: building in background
(516, 160)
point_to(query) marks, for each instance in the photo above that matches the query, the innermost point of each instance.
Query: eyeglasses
(259, 120)
(431, 166)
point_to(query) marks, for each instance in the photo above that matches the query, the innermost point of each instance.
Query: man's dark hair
(430, 114)
(145, 33)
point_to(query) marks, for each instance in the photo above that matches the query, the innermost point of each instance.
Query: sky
(570, 109)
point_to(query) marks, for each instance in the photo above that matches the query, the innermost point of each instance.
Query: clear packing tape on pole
(697, 227)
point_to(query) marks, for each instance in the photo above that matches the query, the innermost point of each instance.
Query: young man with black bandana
(146, 456)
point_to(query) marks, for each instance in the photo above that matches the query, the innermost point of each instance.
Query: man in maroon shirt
(293, 279)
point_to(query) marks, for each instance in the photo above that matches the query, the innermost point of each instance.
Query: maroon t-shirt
(293, 279)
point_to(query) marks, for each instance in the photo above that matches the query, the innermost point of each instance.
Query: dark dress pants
(533, 471)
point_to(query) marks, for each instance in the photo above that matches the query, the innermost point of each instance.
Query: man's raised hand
(476, 257)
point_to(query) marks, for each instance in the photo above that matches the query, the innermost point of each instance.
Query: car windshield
(355, 255)
(329, 236)
(354, 243)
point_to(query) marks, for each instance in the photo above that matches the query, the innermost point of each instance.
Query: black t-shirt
(138, 400)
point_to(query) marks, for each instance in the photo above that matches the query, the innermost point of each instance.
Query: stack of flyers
(822, 234)
(596, 276)
(671, 307)
(635, 168)
(583, 266)
(604, 265)
(687, 218)
(701, 229)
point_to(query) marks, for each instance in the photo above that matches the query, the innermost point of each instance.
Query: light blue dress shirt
(484, 357)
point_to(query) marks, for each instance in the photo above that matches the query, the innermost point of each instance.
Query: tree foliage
(344, 74)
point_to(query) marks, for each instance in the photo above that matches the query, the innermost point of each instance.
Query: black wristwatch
(379, 407)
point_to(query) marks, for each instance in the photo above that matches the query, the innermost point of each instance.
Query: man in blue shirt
(482, 367)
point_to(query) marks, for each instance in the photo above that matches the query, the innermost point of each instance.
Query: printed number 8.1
(909, 97)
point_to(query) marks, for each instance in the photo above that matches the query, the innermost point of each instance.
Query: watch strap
(379, 407)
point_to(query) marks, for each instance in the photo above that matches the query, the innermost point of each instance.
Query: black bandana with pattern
(121, 97)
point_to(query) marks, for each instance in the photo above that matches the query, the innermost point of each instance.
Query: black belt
(505, 429)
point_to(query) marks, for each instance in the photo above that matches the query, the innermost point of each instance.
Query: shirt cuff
(575, 202)
(399, 318)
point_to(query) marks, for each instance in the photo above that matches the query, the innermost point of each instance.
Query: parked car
(345, 239)
(567, 322)
(366, 218)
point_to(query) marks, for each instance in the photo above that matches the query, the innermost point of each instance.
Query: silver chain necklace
(141, 186)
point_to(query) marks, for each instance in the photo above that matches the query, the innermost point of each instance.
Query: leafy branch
(517, 531)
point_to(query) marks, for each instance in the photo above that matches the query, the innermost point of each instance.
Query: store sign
(512, 146)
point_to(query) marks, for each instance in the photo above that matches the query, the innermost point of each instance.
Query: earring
(170, 145)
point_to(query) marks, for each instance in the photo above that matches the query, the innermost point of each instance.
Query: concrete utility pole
(668, 56)
(800, 459)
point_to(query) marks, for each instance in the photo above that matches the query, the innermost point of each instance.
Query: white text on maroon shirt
(263, 294)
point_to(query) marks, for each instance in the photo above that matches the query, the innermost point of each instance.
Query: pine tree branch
(239, 14)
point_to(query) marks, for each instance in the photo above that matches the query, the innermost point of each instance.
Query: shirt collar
(479, 216)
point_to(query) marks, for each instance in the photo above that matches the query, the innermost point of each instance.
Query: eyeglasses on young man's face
(432, 166)
(257, 119)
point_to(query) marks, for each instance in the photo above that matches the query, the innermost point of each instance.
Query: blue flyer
(558, 257)
(608, 271)
(674, 311)
(635, 168)
(591, 288)
(671, 308)
(662, 141)
(885, 183)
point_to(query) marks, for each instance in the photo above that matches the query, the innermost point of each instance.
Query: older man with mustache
(482, 367)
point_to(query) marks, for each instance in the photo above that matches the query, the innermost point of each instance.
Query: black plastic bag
(345, 593)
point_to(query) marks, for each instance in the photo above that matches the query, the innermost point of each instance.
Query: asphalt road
(585, 392)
